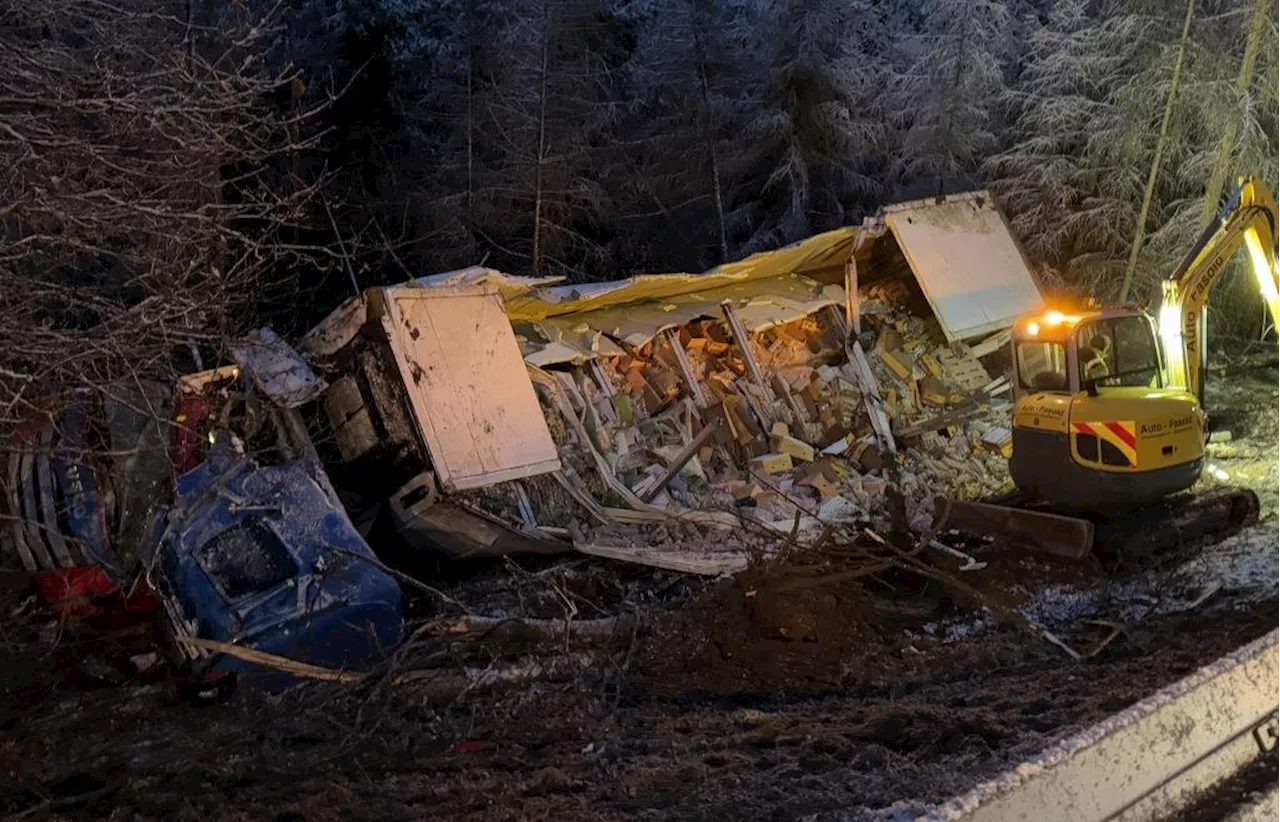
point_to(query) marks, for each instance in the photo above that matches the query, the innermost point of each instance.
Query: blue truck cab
(266, 557)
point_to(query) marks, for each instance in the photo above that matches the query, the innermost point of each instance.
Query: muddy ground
(761, 697)
(902, 728)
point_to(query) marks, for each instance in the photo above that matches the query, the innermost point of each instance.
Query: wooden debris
(991, 344)
(898, 361)
(795, 448)
(771, 463)
(965, 372)
(999, 440)
(934, 392)
(681, 459)
(743, 339)
(279, 663)
(548, 629)
(691, 384)
(940, 421)
(871, 396)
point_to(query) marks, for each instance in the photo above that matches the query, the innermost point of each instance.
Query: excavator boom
(1249, 218)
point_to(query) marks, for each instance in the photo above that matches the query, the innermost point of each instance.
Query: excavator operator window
(1119, 351)
(1042, 366)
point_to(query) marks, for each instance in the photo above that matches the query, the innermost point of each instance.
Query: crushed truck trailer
(429, 396)
(480, 413)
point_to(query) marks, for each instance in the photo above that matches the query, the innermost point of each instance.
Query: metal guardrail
(1149, 761)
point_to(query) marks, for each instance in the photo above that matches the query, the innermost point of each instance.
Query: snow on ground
(1239, 570)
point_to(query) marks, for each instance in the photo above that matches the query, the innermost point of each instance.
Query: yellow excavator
(1108, 413)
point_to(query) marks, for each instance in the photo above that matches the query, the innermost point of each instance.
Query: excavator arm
(1249, 218)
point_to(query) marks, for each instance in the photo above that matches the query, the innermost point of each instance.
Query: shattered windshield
(247, 558)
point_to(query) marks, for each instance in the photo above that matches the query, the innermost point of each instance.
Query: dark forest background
(175, 170)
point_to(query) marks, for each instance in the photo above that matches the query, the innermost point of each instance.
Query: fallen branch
(304, 670)
(549, 629)
(1117, 628)
(638, 505)
(446, 682)
(910, 563)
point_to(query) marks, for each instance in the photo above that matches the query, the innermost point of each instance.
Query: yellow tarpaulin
(760, 303)
(818, 252)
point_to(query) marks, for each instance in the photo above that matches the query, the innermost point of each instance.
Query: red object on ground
(86, 591)
(72, 591)
(473, 746)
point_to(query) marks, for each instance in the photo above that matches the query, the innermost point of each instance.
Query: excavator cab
(1095, 424)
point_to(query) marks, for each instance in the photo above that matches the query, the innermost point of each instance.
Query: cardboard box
(866, 456)
(933, 392)
(999, 440)
(771, 463)
(790, 445)
(821, 484)
(664, 380)
(899, 363)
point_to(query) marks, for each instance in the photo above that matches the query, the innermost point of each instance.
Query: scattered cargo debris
(735, 394)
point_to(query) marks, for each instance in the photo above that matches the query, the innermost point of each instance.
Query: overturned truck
(682, 421)
(477, 413)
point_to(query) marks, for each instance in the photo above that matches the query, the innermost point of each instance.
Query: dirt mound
(782, 630)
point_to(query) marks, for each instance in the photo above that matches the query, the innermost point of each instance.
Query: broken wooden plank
(783, 390)
(871, 396)
(940, 421)
(526, 508)
(852, 299)
(682, 458)
(744, 345)
(991, 344)
(691, 384)
(1033, 530)
(293, 667)
(601, 378)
